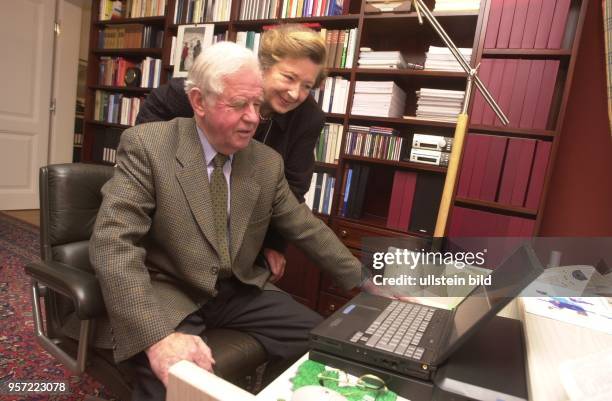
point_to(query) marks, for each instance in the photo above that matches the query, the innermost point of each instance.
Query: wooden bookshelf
(383, 31)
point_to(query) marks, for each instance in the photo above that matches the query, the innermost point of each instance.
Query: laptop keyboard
(398, 329)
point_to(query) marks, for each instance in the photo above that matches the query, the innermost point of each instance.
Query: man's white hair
(215, 63)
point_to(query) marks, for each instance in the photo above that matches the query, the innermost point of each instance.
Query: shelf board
(410, 165)
(330, 166)
(406, 121)
(121, 89)
(334, 115)
(414, 15)
(152, 51)
(274, 21)
(338, 70)
(223, 24)
(497, 206)
(517, 131)
(410, 72)
(144, 20)
(105, 124)
(528, 52)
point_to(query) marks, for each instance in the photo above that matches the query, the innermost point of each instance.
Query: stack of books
(369, 58)
(439, 104)
(457, 5)
(441, 58)
(378, 99)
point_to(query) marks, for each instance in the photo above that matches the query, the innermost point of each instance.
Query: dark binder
(426, 203)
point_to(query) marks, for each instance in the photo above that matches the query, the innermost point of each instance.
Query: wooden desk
(549, 342)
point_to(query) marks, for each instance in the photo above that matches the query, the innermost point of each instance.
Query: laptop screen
(507, 281)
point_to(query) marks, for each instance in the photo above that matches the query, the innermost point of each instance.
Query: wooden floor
(30, 216)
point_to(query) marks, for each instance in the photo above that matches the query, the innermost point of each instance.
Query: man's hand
(277, 262)
(177, 347)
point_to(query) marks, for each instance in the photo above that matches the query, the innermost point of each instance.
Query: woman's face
(288, 83)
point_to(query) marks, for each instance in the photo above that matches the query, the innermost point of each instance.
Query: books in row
(249, 39)
(466, 222)
(111, 9)
(328, 145)
(375, 142)
(457, 5)
(414, 203)
(199, 11)
(369, 58)
(441, 58)
(130, 36)
(321, 193)
(520, 24)
(510, 171)
(333, 95)
(523, 89)
(439, 104)
(116, 108)
(78, 138)
(355, 182)
(272, 9)
(109, 155)
(379, 99)
(112, 70)
(341, 46)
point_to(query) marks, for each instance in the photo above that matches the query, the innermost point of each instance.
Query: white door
(26, 59)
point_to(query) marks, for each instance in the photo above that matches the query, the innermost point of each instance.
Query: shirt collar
(209, 151)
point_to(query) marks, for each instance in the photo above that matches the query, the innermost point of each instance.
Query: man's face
(230, 119)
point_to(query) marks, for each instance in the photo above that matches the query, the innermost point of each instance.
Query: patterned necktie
(218, 192)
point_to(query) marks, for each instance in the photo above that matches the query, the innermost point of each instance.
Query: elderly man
(183, 220)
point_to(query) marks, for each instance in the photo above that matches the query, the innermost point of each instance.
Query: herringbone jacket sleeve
(118, 255)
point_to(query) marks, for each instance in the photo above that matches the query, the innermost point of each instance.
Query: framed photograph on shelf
(190, 42)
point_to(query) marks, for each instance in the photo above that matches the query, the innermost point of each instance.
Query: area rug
(21, 358)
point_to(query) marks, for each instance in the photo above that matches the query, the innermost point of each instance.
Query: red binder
(507, 87)
(528, 228)
(544, 24)
(538, 174)
(518, 92)
(523, 172)
(551, 67)
(497, 74)
(505, 25)
(509, 173)
(495, 158)
(482, 151)
(518, 24)
(486, 66)
(495, 14)
(531, 23)
(395, 205)
(558, 24)
(407, 200)
(531, 96)
(467, 166)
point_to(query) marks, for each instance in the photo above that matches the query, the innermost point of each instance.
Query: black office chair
(69, 201)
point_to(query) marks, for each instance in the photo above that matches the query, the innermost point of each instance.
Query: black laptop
(414, 339)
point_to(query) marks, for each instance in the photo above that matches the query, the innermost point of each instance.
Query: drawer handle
(343, 233)
(332, 307)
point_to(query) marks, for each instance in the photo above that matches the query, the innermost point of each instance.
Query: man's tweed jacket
(154, 245)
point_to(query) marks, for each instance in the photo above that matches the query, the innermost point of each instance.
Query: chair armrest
(80, 286)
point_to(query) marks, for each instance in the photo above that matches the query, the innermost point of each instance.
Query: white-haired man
(169, 257)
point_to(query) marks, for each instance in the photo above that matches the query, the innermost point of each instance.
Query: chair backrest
(69, 201)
